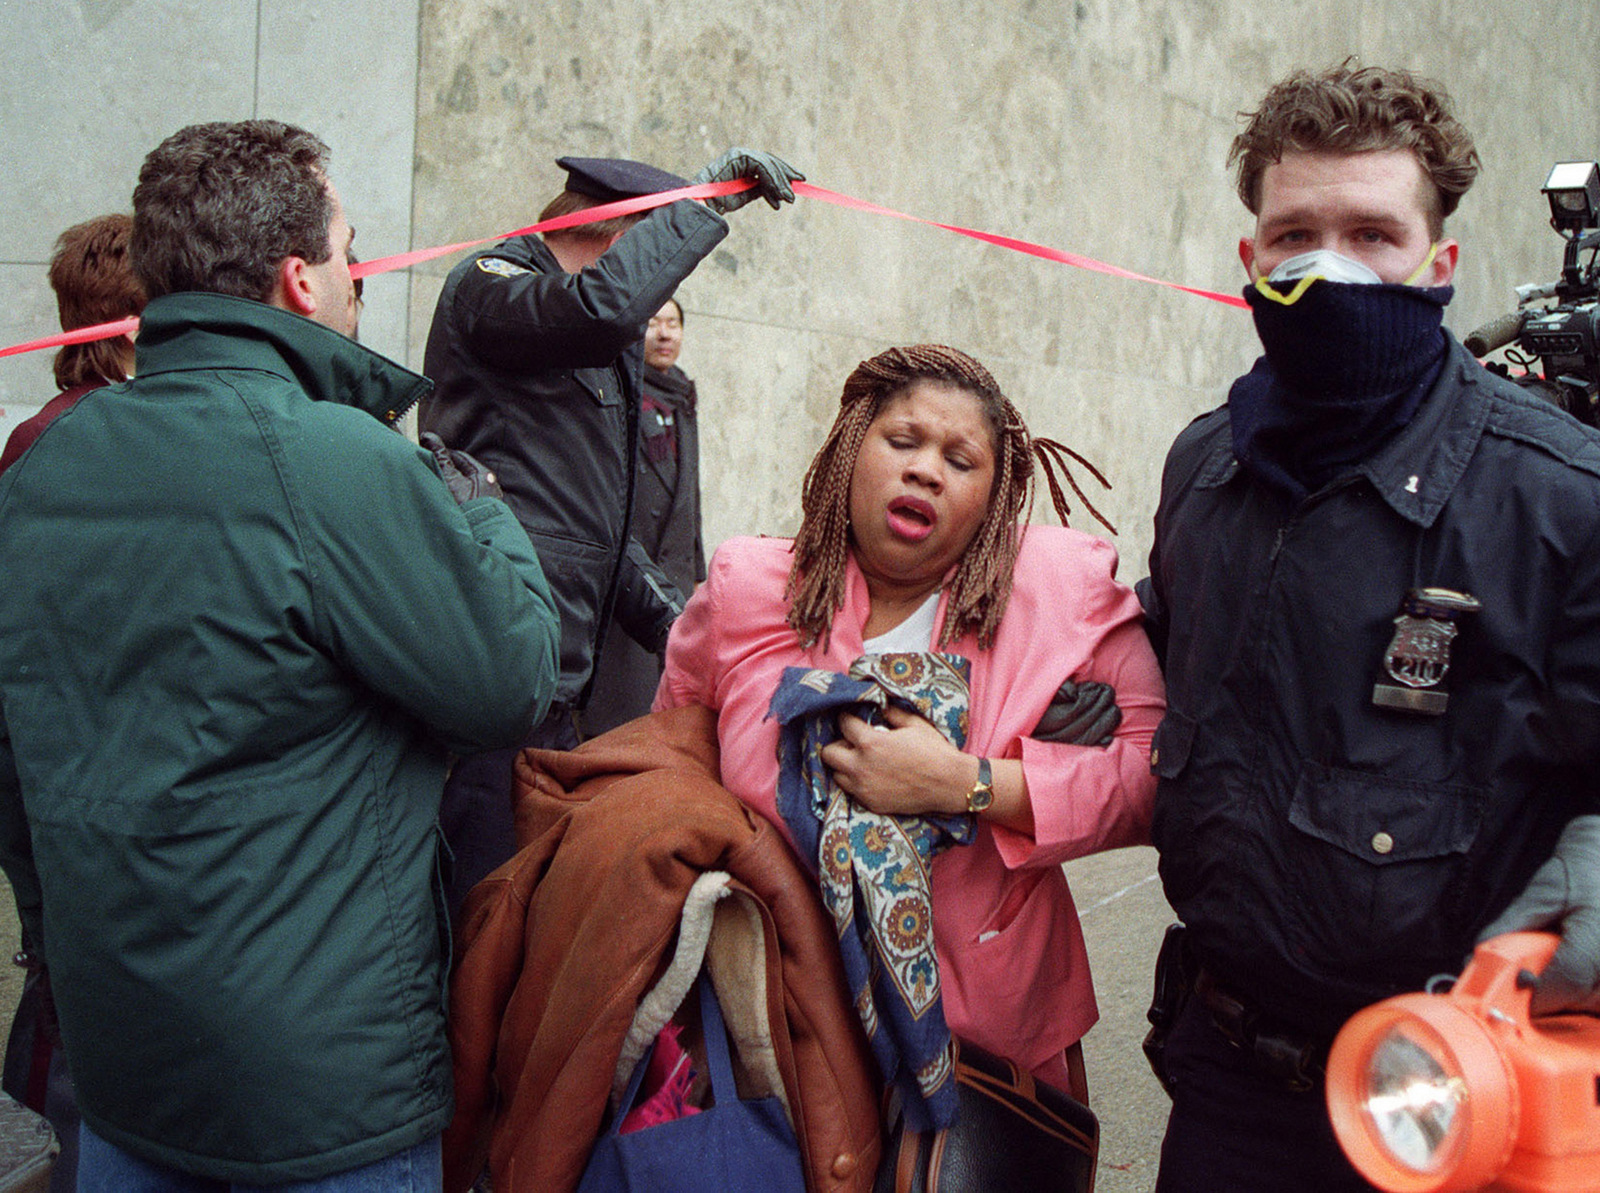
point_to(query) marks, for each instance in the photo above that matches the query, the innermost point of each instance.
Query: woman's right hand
(909, 768)
(903, 768)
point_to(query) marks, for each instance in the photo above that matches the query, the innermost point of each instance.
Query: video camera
(1564, 338)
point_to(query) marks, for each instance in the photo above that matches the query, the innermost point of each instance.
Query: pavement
(1124, 915)
(10, 975)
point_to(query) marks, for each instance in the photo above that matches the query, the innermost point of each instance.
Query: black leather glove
(463, 476)
(1080, 714)
(772, 174)
(1564, 896)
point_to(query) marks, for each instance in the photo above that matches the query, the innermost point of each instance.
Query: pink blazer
(1012, 962)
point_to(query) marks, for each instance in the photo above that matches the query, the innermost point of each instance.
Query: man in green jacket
(242, 626)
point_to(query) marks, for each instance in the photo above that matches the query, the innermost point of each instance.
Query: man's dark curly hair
(219, 207)
(1354, 109)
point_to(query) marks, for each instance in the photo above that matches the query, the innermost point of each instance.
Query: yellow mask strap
(1264, 287)
(1433, 251)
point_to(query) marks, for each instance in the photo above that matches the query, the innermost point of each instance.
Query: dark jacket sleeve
(690, 448)
(1150, 589)
(1155, 620)
(1177, 474)
(527, 321)
(1573, 663)
(647, 602)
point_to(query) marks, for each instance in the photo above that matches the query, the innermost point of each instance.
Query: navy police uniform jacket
(1325, 851)
(536, 374)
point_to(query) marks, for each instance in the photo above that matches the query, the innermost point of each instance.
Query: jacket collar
(192, 331)
(671, 385)
(529, 250)
(1418, 469)
(846, 642)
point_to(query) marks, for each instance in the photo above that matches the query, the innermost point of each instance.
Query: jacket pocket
(576, 569)
(599, 384)
(1169, 748)
(1375, 864)
(1018, 894)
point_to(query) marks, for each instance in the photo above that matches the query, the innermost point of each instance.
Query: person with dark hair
(666, 517)
(535, 355)
(914, 572)
(93, 283)
(218, 807)
(1376, 596)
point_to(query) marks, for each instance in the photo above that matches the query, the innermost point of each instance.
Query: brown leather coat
(559, 945)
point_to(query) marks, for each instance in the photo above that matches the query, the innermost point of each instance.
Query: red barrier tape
(1017, 246)
(703, 190)
(589, 215)
(79, 335)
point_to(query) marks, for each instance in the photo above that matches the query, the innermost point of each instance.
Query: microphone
(1496, 333)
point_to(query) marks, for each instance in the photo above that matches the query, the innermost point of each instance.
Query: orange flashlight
(1457, 1091)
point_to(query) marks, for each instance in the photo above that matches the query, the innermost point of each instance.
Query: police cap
(612, 178)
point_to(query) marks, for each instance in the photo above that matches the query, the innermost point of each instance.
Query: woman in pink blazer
(912, 541)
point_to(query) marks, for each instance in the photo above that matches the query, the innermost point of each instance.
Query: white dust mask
(1325, 264)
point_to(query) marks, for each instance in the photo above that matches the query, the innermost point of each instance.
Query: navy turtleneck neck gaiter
(1346, 366)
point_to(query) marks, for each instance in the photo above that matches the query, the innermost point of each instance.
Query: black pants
(475, 814)
(1232, 1130)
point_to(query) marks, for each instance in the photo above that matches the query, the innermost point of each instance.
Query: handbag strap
(635, 1080)
(718, 1063)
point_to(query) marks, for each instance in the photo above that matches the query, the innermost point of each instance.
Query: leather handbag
(732, 1147)
(1011, 1132)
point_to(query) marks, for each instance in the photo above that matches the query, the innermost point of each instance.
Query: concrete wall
(1095, 126)
(88, 87)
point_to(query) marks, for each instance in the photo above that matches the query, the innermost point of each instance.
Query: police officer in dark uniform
(666, 517)
(535, 356)
(1375, 591)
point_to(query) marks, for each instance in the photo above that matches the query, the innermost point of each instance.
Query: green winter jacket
(242, 621)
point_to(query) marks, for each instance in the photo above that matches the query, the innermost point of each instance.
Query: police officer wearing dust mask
(1375, 590)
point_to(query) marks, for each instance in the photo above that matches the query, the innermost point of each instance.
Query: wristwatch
(982, 793)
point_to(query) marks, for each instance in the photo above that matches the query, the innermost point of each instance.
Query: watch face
(982, 793)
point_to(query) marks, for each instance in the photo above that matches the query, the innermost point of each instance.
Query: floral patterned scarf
(874, 869)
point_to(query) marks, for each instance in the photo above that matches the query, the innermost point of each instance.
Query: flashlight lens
(1414, 1102)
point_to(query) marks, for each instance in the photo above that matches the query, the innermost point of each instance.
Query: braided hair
(981, 585)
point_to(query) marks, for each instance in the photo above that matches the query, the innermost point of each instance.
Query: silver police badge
(1419, 654)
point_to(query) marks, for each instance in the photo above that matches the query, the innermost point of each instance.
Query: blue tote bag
(733, 1147)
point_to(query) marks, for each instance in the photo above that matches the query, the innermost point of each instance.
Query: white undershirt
(913, 635)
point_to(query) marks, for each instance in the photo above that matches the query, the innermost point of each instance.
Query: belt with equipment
(1277, 1051)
